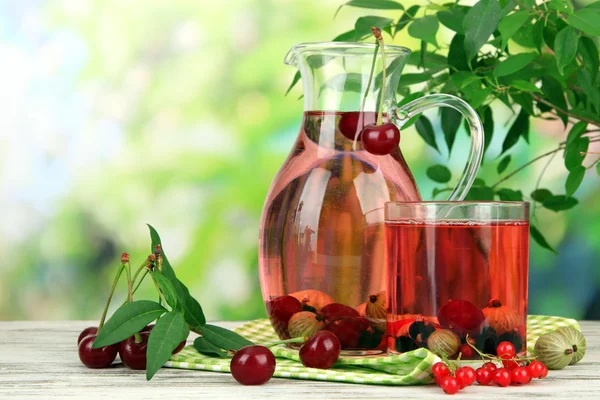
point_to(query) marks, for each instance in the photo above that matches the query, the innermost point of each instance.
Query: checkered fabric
(412, 368)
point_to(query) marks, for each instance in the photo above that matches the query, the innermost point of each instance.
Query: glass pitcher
(322, 244)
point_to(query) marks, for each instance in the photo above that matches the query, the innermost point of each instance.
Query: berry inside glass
(460, 268)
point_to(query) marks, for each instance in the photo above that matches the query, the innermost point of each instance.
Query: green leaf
(480, 193)
(425, 130)
(574, 180)
(457, 57)
(510, 24)
(513, 64)
(573, 150)
(503, 164)
(224, 338)
(294, 82)
(439, 173)
(488, 127)
(363, 25)
(586, 20)
(464, 78)
(560, 5)
(576, 131)
(584, 79)
(540, 239)
(560, 203)
(479, 182)
(373, 4)
(598, 168)
(453, 19)
(164, 338)
(479, 24)
(451, 120)
(434, 61)
(537, 34)
(411, 79)
(476, 94)
(541, 195)
(406, 18)
(167, 288)
(525, 86)
(589, 55)
(525, 101)
(425, 29)
(554, 93)
(348, 36)
(205, 347)
(350, 82)
(193, 313)
(128, 320)
(510, 195)
(565, 47)
(519, 128)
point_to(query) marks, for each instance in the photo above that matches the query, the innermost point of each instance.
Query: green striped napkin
(412, 368)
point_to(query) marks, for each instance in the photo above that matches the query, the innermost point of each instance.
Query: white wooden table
(39, 359)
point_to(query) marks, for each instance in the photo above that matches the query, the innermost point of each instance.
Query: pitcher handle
(402, 114)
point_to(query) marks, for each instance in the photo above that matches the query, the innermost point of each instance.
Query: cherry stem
(129, 285)
(300, 339)
(138, 284)
(160, 294)
(379, 37)
(110, 295)
(137, 338)
(362, 106)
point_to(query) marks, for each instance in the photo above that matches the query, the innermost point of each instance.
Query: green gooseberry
(576, 339)
(553, 350)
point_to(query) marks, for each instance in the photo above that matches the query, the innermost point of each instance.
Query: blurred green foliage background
(121, 113)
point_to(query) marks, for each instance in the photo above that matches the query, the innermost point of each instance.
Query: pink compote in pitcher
(322, 245)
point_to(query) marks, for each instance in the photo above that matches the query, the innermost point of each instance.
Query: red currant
(92, 330)
(520, 376)
(96, 358)
(440, 370)
(352, 123)
(252, 365)
(502, 377)
(535, 369)
(544, 373)
(466, 351)
(280, 310)
(506, 350)
(449, 384)
(465, 376)
(490, 365)
(510, 364)
(133, 354)
(484, 376)
(320, 351)
(380, 139)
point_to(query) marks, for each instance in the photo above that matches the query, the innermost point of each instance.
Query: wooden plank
(40, 359)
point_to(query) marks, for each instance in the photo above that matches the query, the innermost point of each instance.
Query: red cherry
(380, 139)
(347, 330)
(440, 370)
(502, 377)
(335, 311)
(133, 354)
(352, 123)
(280, 311)
(449, 384)
(252, 365)
(320, 351)
(466, 351)
(92, 330)
(535, 369)
(506, 350)
(461, 316)
(484, 376)
(490, 365)
(466, 376)
(96, 358)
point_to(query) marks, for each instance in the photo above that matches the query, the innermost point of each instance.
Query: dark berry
(320, 351)
(404, 344)
(369, 339)
(352, 123)
(420, 328)
(380, 139)
(252, 365)
(306, 307)
(96, 358)
(280, 310)
(347, 330)
(92, 330)
(133, 354)
(461, 316)
(487, 342)
(335, 311)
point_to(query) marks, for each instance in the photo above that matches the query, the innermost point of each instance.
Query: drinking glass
(460, 266)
